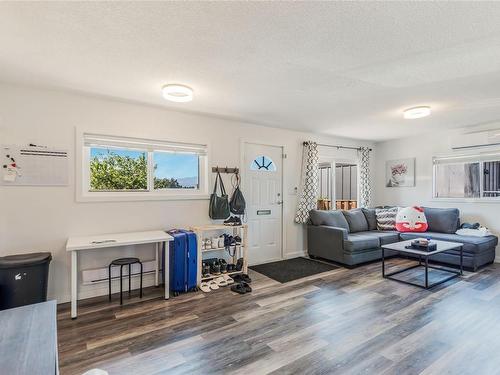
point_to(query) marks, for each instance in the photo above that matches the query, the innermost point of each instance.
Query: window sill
(466, 200)
(137, 197)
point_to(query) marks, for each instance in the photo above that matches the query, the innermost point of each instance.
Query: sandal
(205, 287)
(247, 287)
(239, 288)
(246, 278)
(213, 285)
(228, 279)
(221, 281)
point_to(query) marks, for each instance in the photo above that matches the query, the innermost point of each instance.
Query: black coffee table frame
(425, 257)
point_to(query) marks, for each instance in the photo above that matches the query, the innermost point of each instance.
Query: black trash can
(23, 279)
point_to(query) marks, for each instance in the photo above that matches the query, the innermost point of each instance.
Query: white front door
(263, 189)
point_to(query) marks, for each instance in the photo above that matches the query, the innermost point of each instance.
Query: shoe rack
(208, 231)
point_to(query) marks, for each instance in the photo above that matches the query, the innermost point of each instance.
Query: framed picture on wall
(400, 172)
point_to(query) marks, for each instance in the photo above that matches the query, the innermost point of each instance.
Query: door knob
(279, 202)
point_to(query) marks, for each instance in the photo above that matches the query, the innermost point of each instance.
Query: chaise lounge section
(352, 237)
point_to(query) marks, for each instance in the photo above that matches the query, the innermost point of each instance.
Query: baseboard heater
(100, 275)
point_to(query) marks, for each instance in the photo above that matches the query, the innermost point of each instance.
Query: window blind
(97, 140)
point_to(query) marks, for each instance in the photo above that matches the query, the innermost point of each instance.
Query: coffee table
(422, 256)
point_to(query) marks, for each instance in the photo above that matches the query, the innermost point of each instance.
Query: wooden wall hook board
(225, 170)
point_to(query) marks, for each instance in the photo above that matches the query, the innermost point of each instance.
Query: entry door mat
(292, 269)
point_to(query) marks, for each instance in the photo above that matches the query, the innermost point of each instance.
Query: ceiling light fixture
(417, 112)
(177, 93)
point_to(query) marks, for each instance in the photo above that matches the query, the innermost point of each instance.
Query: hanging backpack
(237, 203)
(218, 208)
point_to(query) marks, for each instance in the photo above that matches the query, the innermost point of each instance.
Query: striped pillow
(386, 218)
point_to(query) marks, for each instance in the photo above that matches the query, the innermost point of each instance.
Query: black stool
(124, 262)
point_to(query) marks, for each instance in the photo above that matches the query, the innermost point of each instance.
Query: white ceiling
(345, 68)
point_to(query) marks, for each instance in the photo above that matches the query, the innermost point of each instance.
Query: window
(176, 171)
(470, 177)
(340, 187)
(263, 163)
(141, 168)
(118, 169)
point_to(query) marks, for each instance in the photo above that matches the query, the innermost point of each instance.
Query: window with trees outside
(141, 167)
(469, 177)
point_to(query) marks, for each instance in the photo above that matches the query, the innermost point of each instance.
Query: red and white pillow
(411, 219)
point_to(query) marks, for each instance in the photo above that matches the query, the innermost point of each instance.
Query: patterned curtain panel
(310, 175)
(365, 189)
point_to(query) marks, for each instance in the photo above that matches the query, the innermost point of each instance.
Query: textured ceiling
(344, 68)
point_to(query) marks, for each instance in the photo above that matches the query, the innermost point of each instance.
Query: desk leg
(157, 263)
(166, 269)
(74, 283)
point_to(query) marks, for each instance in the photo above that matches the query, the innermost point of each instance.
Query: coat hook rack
(225, 170)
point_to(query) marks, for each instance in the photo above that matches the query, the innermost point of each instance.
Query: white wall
(42, 218)
(423, 148)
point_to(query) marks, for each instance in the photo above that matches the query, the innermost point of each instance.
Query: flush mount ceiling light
(177, 93)
(417, 112)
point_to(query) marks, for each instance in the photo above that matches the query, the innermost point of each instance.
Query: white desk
(77, 244)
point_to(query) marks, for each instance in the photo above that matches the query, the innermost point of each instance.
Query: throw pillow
(386, 218)
(356, 219)
(411, 219)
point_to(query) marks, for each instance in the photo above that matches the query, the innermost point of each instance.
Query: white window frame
(84, 194)
(333, 162)
(480, 158)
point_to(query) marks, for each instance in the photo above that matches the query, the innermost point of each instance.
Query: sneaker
(223, 265)
(215, 268)
(237, 240)
(205, 269)
(230, 221)
(227, 240)
(237, 221)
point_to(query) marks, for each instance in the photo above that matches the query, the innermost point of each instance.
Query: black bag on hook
(237, 203)
(219, 206)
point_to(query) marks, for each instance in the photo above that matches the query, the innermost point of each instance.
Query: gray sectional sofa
(351, 237)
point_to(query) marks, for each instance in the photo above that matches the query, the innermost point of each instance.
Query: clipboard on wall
(33, 166)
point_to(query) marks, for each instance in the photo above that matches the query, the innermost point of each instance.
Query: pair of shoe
(231, 241)
(241, 288)
(233, 221)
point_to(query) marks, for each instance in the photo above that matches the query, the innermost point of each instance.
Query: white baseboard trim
(497, 259)
(295, 254)
(101, 289)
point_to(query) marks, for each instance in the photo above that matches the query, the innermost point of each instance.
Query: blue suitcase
(183, 261)
(192, 257)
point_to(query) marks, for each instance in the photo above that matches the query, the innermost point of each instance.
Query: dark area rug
(292, 269)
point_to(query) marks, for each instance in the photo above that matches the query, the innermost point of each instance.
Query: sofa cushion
(472, 245)
(330, 218)
(357, 242)
(385, 237)
(356, 220)
(386, 218)
(443, 220)
(371, 218)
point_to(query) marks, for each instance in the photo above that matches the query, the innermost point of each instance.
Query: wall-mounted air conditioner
(476, 140)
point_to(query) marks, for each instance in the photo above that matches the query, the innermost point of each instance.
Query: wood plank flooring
(339, 322)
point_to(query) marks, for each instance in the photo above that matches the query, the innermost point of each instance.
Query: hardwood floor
(343, 321)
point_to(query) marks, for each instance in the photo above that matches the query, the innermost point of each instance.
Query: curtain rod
(335, 146)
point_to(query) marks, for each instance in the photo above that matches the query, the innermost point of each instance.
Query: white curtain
(309, 193)
(365, 189)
